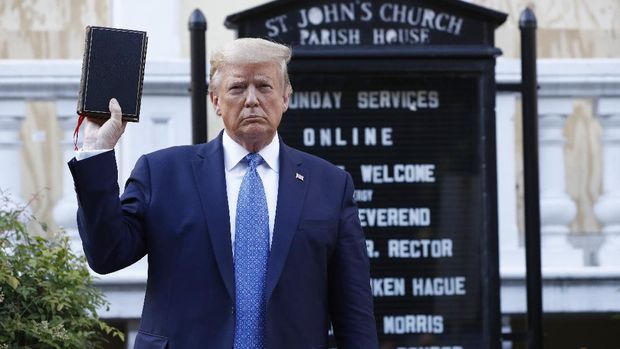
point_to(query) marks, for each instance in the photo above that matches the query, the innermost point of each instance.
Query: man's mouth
(252, 116)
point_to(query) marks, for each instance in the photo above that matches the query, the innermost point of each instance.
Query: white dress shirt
(85, 154)
(235, 169)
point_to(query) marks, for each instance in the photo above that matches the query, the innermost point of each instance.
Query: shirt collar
(235, 152)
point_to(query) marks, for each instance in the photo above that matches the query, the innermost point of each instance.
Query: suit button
(232, 310)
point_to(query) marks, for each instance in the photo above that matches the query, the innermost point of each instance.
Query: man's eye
(235, 87)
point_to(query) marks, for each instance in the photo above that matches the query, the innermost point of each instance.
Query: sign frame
(483, 68)
(449, 58)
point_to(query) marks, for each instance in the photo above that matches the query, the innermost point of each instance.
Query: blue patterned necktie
(251, 252)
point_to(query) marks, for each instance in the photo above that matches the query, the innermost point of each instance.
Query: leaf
(12, 281)
(120, 335)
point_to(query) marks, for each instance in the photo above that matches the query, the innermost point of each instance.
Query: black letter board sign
(401, 94)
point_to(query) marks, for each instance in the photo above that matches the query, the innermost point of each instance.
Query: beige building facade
(54, 30)
(41, 44)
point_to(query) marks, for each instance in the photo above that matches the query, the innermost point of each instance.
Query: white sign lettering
(319, 37)
(387, 287)
(422, 248)
(389, 36)
(395, 217)
(398, 173)
(362, 195)
(434, 347)
(420, 17)
(315, 100)
(395, 24)
(412, 100)
(328, 137)
(370, 248)
(414, 323)
(446, 286)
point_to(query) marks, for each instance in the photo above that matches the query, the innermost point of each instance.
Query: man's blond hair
(249, 51)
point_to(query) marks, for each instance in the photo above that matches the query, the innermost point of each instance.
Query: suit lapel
(291, 194)
(211, 183)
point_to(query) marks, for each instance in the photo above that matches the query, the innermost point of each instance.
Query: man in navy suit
(182, 207)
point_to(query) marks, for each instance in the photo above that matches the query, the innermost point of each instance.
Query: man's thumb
(115, 110)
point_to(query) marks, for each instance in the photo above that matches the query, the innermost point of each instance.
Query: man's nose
(251, 99)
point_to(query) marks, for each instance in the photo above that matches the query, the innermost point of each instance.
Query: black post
(527, 25)
(197, 28)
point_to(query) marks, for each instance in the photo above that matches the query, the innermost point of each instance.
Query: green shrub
(47, 297)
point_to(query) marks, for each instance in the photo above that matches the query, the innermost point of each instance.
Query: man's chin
(255, 136)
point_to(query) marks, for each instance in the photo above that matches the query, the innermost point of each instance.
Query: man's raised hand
(104, 134)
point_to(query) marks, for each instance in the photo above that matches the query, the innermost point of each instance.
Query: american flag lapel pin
(298, 176)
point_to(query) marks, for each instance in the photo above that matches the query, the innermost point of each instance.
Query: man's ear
(216, 102)
(285, 99)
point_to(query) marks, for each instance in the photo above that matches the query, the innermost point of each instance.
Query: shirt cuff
(85, 154)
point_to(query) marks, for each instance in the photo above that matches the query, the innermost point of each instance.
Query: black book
(113, 67)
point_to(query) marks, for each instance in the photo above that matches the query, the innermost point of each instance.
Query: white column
(66, 208)
(557, 209)
(511, 254)
(607, 209)
(132, 332)
(12, 113)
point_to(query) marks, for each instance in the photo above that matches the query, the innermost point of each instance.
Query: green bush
(47, 297)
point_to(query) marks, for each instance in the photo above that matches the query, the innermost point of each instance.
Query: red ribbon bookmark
(77, 130)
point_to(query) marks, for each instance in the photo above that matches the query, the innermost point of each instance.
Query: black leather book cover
(113, 67)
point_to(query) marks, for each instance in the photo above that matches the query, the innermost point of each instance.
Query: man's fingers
(91, 130)
(115, 110)
(94, 122)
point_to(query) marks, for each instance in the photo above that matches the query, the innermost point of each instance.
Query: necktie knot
(253, 159)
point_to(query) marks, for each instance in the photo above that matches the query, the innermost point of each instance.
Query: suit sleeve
(112, 229)
(351, 303)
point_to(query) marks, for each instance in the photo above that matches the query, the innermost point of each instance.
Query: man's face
(251, 99)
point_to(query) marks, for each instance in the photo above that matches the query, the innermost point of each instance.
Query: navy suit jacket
(174, 208)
